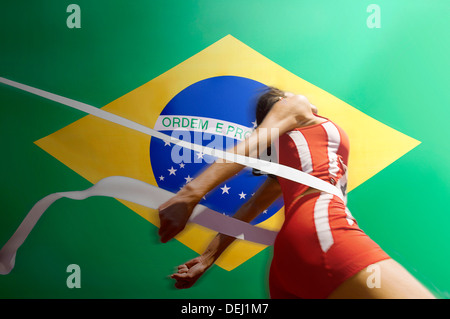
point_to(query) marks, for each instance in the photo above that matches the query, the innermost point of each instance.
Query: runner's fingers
(182, 269)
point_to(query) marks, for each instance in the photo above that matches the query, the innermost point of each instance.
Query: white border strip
(202, 124)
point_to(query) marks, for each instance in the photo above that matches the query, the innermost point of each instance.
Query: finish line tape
(148, 195)
(137, 192)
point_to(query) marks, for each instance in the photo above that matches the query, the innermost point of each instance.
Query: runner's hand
(174, 215)
(191, 271)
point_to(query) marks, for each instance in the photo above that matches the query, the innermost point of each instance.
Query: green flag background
(397, 74)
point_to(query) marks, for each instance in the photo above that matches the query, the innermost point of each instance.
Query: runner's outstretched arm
(284, 116)
(189, 272)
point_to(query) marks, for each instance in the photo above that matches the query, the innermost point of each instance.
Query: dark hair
(266, 101)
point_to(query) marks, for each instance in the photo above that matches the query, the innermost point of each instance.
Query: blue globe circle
(194, 114)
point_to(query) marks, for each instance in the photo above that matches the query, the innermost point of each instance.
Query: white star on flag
(161, 178)
(199, 155)
(166, 143)
(181, 165)
(188, 179)
(172, 171)
(225, 189)
(242, 195)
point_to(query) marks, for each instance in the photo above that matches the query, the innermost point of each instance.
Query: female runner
(320, 252)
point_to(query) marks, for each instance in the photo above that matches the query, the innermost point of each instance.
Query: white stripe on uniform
(303, 151)
(322, 223)
(334, 140)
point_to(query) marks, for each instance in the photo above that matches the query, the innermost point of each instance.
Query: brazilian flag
(378, 70)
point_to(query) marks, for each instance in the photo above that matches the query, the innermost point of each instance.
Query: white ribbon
(150, 196)
(265, 166)
(137, 192)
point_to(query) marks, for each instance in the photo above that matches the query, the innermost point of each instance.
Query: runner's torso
(320, 150)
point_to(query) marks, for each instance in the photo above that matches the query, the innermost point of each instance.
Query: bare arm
(284, 116)
(189, 272)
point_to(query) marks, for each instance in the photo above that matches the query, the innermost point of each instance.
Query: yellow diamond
(95, 149)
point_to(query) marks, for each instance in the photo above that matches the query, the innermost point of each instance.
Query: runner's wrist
(190, 194)
(208, 258)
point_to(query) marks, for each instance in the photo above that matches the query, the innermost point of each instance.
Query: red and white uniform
(320, 244)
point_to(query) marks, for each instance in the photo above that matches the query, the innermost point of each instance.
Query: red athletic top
(320, 150)
(320, 245)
